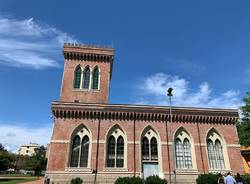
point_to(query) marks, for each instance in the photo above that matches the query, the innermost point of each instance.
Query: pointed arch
(215, 149)
(116, 148)
(183, 149)
(95, 78)
(80, 152)
(77, 77)
(86, 77)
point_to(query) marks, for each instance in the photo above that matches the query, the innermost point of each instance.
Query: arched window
(120, 152)
(145, 148)
(84, 151)
(154, 150)
(149, 151)
(80, 151)
(77, 78)
(111, 152)
(215, 154)
(115, 154)
(75, 151)
(183, 154)
(95, 83)
(86, 78)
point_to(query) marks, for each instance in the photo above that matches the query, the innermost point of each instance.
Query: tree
(7, 159)
(244, 124)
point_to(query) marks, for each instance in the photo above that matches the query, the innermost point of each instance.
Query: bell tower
(87, 73)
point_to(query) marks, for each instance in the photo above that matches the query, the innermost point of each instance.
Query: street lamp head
(170, 90)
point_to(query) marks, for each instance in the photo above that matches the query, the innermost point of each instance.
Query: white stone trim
(60, 141)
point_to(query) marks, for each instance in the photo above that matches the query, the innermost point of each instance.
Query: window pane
(111, 152)
(179, 153)
(154, 151)
(211, 154)
(219, 155)
(120, 152)
(75, 151)
(95, 78)
(84, 152)
(187, 154)
(77, 79)
(86, 78)
(145, 149)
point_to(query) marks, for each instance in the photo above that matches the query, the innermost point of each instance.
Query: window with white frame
(215, 151)
(183, 156)
(115, 152)
(77, 77)
(86, 78)
(80, 149)
(149, 146)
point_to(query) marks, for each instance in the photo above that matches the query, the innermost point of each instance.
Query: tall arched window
(111, 152)
(183, 154)
(215, 154)
(154, 149)
(115, 149)
(95, 83)
(145, 148)
(84, 151)
(75, 151)
(86, 78)
(77, 78)
(80, 151)
(120, 152)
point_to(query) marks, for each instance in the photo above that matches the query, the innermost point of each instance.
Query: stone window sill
(112, 169)
(78, 169)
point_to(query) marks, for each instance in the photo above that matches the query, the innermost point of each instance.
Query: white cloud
(12, 136)
(29, 43)
(153, 90)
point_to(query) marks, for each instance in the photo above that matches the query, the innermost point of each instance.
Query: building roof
(143, 112)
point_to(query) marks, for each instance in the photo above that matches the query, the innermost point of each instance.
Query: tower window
(95, 83)
(77, 80)
(86, 78)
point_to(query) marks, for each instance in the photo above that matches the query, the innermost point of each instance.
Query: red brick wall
(63, 128)
(68, 94)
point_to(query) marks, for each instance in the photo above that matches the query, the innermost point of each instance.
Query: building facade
(99, 142)
(28, 149)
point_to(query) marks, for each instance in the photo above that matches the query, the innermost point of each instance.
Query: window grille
(145, 149)
(154, 150)
(84, 151)
(75, 151)
(120, 152)
(179, 153)
(111, 152)
(187, 154)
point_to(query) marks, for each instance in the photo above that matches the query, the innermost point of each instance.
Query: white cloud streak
(153, 90)
(12, 136)
(29, 43)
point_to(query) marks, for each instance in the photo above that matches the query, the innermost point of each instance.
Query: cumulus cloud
(29, 43)
(153, 90)
(12, 136)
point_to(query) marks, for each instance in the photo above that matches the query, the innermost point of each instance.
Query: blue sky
(200, 48)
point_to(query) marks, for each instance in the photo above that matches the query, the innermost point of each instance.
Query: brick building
(99, 142)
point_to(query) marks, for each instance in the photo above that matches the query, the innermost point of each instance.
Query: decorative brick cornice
(142, 112)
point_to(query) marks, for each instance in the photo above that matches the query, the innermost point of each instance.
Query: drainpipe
(134, 150)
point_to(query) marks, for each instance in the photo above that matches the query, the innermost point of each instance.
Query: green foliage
(129, 180)
(7, 159)
(246, 178)
(207, 179)
(243, 126)
(76, 181)
(155, 180)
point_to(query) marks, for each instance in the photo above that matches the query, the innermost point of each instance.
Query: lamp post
(170, 94)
